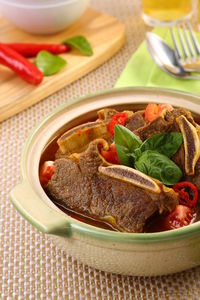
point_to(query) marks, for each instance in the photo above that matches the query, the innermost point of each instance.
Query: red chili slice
(119, 119)
(111, 155)
(187, 193)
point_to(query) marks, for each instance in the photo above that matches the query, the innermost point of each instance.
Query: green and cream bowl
(126, 253)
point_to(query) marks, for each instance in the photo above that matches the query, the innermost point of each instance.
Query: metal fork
(187, 47)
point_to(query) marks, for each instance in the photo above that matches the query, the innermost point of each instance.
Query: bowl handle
(37, 212)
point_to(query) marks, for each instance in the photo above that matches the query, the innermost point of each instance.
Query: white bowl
(43, 17)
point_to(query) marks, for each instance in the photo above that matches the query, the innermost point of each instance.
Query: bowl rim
(99, 233)
(42, 5)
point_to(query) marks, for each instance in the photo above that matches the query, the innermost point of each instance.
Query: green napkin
(142, 71)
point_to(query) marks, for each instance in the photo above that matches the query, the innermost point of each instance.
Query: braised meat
(136, 121)
(170, 116)
(159, 125)
(164, 123)
(79, 184)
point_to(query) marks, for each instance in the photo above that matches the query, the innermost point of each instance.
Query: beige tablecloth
(30, 266)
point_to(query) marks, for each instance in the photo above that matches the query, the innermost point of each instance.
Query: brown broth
(88, 219)
(49, 151)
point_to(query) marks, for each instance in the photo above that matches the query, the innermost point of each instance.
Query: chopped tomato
(111, 155)
(117, 119)
(46, 172)
(179, 217)
(153, 111)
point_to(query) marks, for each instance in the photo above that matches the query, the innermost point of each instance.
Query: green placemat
(142, 71)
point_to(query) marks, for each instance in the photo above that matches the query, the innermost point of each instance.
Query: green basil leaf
(81, 43)
(164, 143)
(48, 63)
(136, 153)
(125, 142)
(158, 166)
(124, 137)
(123, 155)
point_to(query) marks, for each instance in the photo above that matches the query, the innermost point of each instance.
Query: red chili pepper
(187, 193)
(119, 118)
(31, 50)
(20, 65)
(111, 155)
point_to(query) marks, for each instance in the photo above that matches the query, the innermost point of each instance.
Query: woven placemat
(30, 266)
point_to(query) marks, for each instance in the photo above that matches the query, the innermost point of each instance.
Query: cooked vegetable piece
(147, 157)
(153, 111)
(158, 166)
(165, 143)
(181, 216)
(46, 172)
(187, 193)
(118, 119)
(125, 142)
(111, 155)
(191, 144)
(20, 65)
(31, 50)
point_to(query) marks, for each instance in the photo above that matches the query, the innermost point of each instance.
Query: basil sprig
(165, 143)
(158, 166)
(125, 142)
(48, 63)
(81, 43)
(151, 157)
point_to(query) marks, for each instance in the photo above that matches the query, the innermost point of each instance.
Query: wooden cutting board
(106, 35)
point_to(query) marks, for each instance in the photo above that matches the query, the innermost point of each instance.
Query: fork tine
(185, 51)
(188, 41)
(177, 51)
(194, 39)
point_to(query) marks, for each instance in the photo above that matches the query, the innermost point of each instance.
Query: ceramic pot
(126, 253)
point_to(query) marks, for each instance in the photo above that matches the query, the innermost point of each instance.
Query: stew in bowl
(88, 195)
(129, 171)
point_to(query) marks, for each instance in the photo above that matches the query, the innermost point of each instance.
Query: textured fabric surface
(30, 266)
